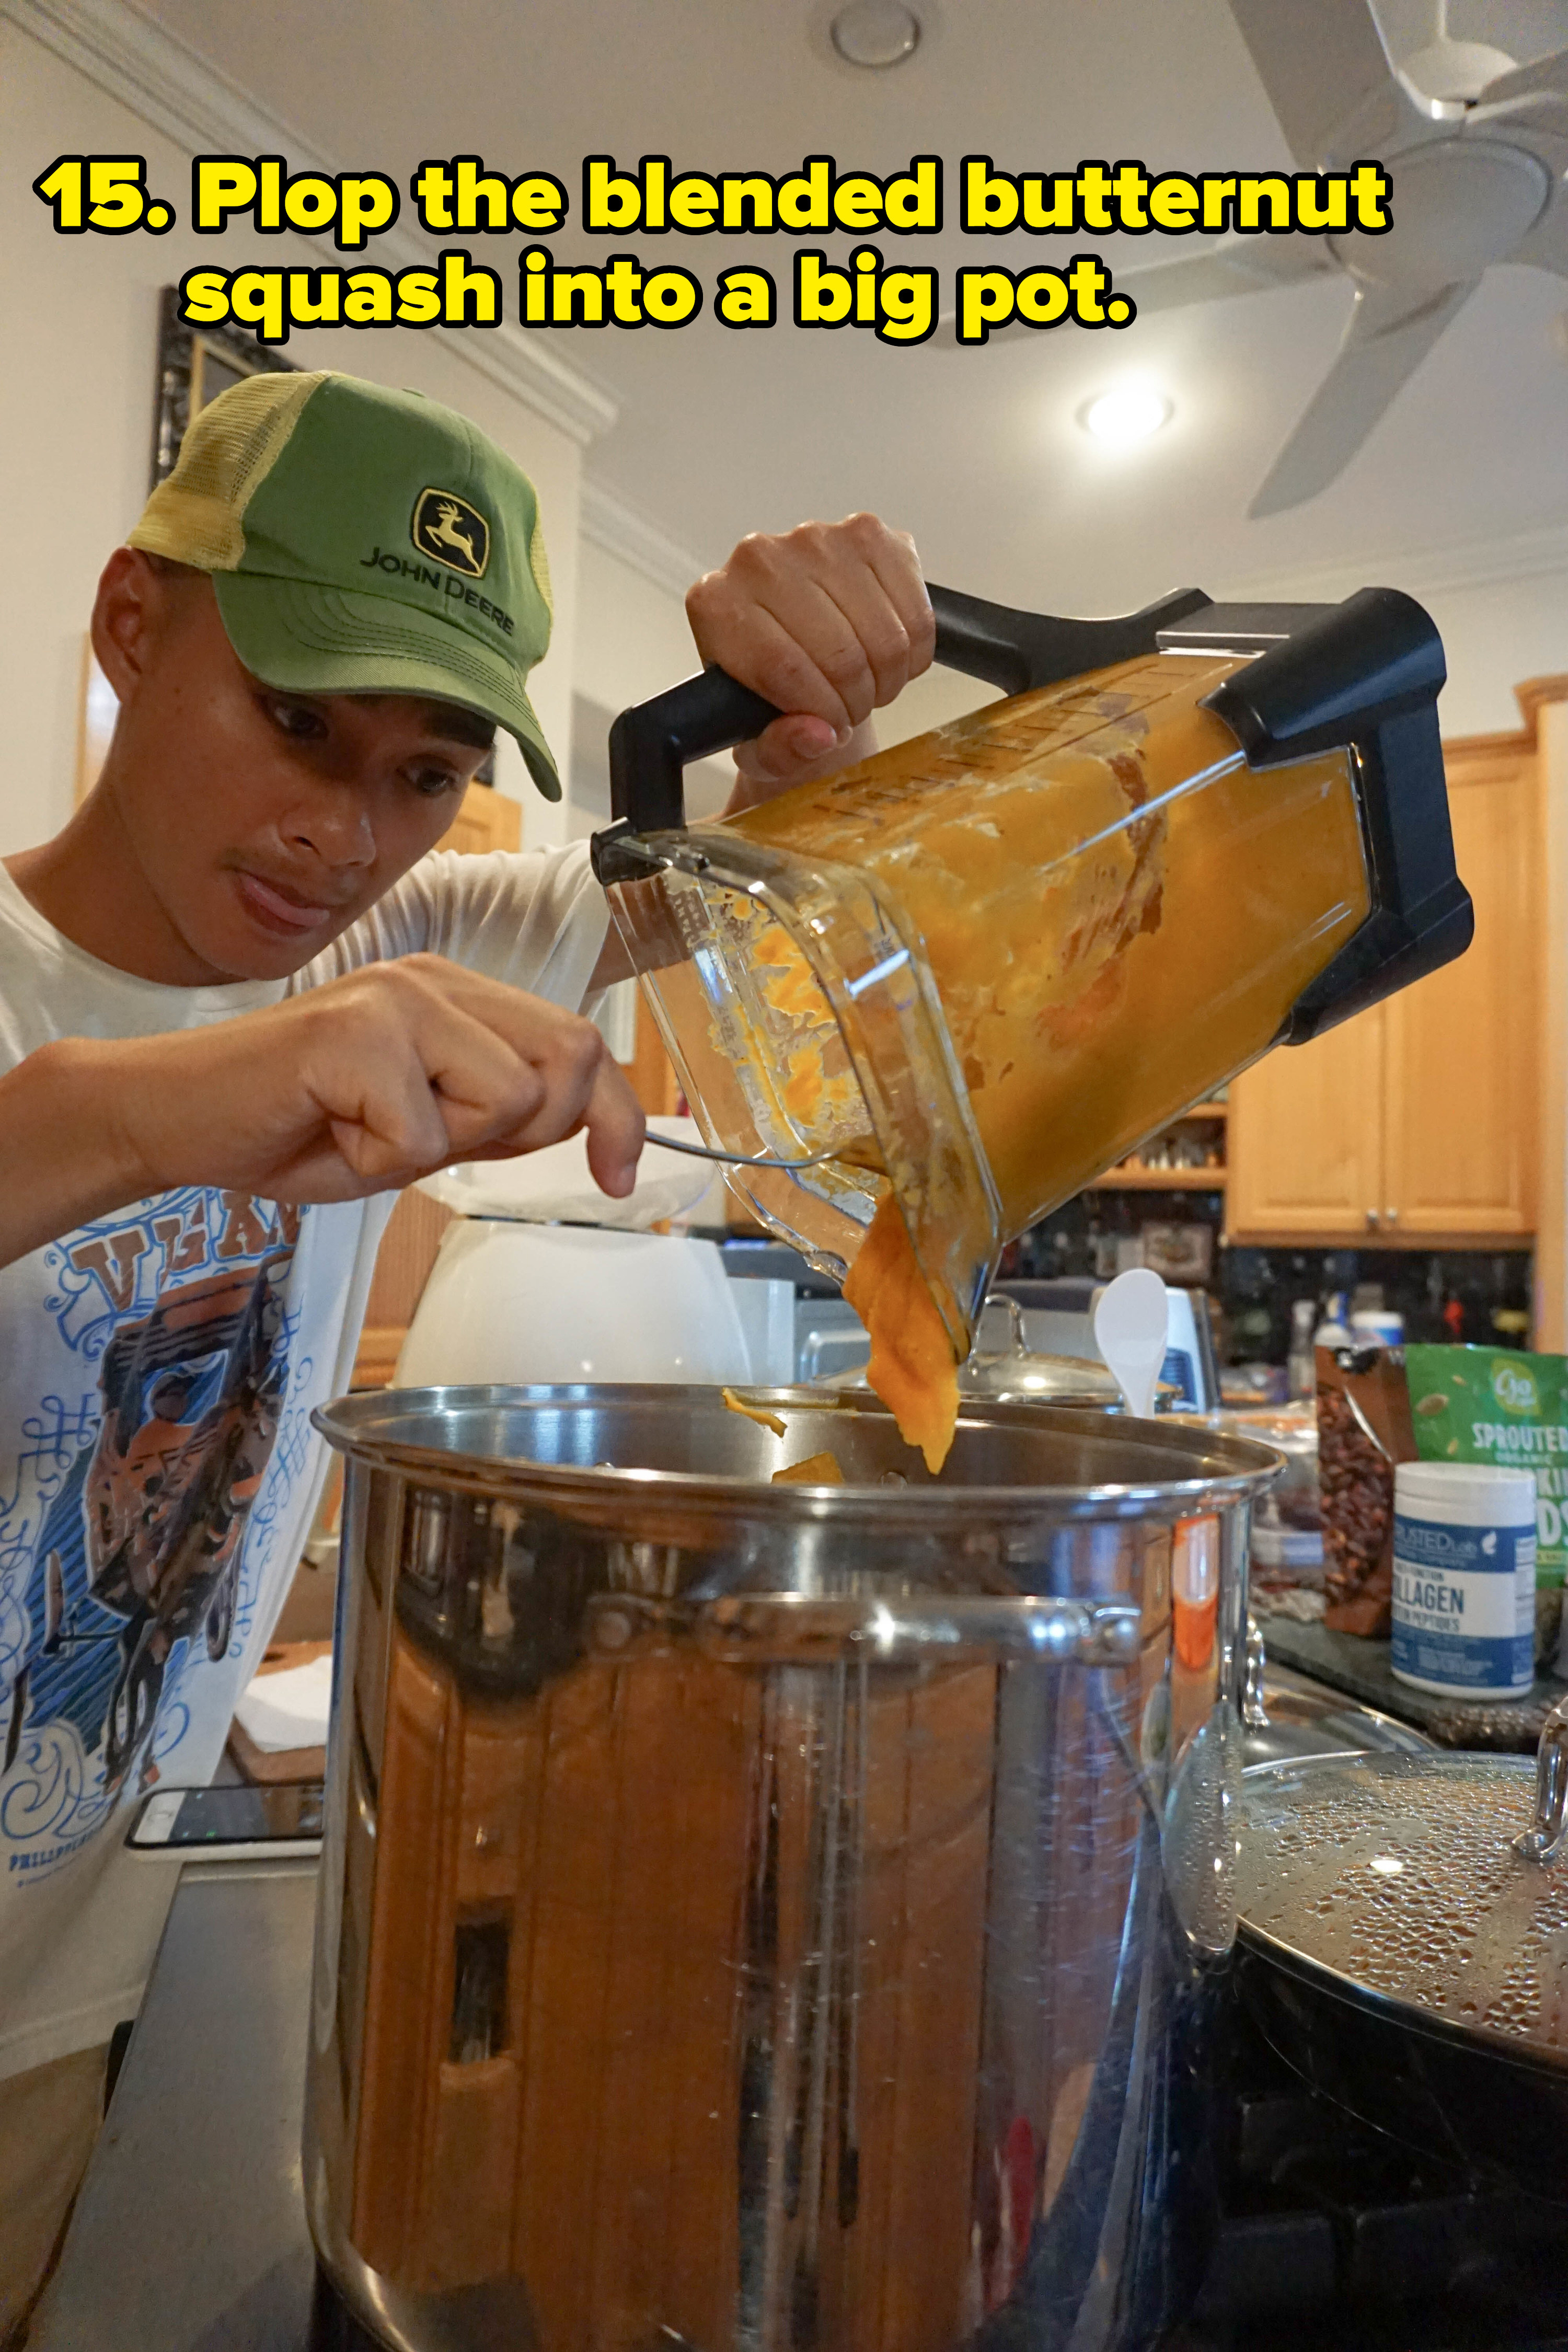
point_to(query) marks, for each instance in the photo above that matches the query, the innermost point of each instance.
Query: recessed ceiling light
(876, 33)
(1130, 412)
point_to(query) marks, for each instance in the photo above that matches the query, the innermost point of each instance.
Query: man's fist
(830, 621)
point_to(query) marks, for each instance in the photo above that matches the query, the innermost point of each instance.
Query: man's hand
(830, 621)
(356, 1088)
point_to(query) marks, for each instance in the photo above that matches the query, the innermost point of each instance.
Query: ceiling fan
(1477, 148)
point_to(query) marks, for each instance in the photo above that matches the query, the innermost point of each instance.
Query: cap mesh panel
(197, 516)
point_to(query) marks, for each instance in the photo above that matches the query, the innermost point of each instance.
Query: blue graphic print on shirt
(140, 1524)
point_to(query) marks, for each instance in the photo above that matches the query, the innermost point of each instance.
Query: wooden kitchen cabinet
(487, 820)
(1418, 1121)
(1460, 1130)
(1303, 1148)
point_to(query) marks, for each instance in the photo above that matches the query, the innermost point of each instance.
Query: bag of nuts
(1364, 1429)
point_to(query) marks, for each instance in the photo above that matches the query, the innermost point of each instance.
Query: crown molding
(1423, 572)
(1533, 695)
(111, 44)
(622, 532)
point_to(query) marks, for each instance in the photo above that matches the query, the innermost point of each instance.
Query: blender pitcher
(982, 967)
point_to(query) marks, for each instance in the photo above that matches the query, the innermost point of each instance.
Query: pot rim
(1241, 1468)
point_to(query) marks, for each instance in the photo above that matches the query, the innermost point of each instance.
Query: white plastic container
(1464, 1578)
(1377, 1326)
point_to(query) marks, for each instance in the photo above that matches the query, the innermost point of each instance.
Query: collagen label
(1464, 1605)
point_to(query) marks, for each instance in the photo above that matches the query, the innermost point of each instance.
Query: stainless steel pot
(765, 1916)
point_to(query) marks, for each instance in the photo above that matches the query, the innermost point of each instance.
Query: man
(319, 619)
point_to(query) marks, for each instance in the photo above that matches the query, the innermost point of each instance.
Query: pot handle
(1254, 1702)
(803, 1629)
(651, 745)
(1542, 1841)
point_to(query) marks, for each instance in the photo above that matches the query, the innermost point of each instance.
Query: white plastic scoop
(1131, 1327)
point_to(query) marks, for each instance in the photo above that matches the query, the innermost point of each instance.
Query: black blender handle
(651, 744)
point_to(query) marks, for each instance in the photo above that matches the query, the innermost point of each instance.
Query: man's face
(262, 823)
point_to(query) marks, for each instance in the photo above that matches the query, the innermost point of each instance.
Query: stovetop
(1336, 2239)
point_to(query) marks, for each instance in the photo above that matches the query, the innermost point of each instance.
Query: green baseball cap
(364, 541)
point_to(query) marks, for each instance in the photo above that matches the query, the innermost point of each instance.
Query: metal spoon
(738, 1159)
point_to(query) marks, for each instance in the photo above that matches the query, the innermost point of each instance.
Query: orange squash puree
(912, 1366)
(817, 1470)
(1099, 968)
(757, 1412)
(807, 1090)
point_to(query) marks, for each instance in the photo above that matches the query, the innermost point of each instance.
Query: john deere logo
(1514, 1388)
(453, 532)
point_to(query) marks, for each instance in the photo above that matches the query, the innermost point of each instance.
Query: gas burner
(1336, 2239)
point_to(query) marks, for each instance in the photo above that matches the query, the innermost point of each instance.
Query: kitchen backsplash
(1481, 1296)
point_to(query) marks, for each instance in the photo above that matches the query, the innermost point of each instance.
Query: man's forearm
(62, 1156)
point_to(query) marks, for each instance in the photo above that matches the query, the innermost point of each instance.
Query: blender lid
(1398, 1875)
(554, 1186)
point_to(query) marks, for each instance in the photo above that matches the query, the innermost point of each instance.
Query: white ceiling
(977, 452)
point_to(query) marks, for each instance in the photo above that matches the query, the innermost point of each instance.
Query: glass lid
(1404, 1876)
(1005, 1370)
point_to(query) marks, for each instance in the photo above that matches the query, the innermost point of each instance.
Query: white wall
(633, 642)
(77, 397)
(1496, 637)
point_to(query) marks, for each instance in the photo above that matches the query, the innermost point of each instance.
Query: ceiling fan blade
(1547, 78)
(1325, 67)
(1386, 340)
(1546, 246)
(1207, 272)
(1226, 265)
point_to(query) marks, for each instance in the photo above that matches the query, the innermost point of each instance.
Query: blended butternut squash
(817, 1470)
(914, 1368)
(1118, 915)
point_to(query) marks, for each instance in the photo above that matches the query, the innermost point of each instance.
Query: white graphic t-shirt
(158, 1470)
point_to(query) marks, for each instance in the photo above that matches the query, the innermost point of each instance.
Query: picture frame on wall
(194, 364)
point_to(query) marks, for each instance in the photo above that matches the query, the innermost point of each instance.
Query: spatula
(1131, 1325)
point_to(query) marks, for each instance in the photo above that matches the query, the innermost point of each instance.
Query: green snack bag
(1509, 1411)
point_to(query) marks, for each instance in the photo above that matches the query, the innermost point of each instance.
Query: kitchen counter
(189, 2235)
(1350, 1662)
